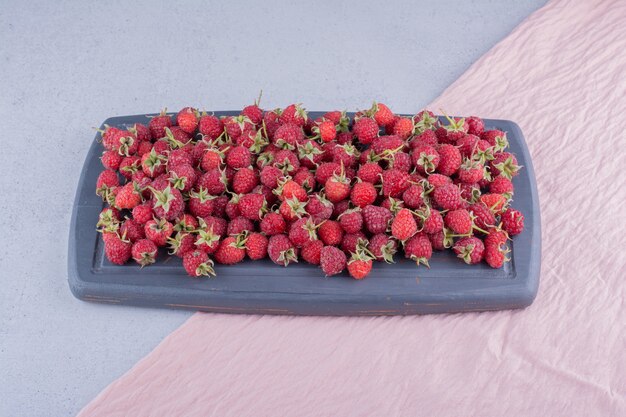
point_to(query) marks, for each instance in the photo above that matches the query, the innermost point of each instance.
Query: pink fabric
(561, 75)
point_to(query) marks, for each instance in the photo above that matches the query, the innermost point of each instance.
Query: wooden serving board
(261, 287)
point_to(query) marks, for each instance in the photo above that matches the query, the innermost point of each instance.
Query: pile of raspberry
(332, 191)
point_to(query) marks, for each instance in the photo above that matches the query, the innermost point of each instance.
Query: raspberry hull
(335, 192)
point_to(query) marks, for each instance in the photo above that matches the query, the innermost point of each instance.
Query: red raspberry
(244, 180)
(187, 119)
(214, 181)
(471, 172)
(495, 202)
(513, 222)
(383, 247)
(210, 126)
(365, 129)
(168, 204)
(238, 157)
(419, 249)
(359, 265)
(447, 197)
(404, 225)
(468, 145)
(337, 188)
(493, 136)
(288, 136)
(273, 224)
(470, 250)
(197, 264)
(427, 137)
(128, 196)
(311, 252)
(182, 177)
(433, 222)
(505, 164)
(256, 246)
(326, 130)
(319, 207)
(181, 243)
(403, 127)
(450, 160)
(107, 180)
(483, 217)
(252, 206)
(239, 225)
(217, 224)
(438, 180)
(305, 178)
(475, 125)
(254, 113)
(438, 240)
(158, 124)
(351, 242)
(294, 113)
(459, 221)
(351, 221)
(144, 252)
(332, 260)
(425, 158)
(303, 231)
(340, 207)
(230, 251)
(376, 218)
(281, 250)
(331, 232)
(495, 254)
(111, 160)
(370, 172)
(382, 114)
(413, 196)
(116, 249)
(363, 194)
(132, 230)
(501, 185)
(385, 145)
(395, 182)
(201, 203)
(326, 170)
(270, 176)
(142, 213)
(158, 231)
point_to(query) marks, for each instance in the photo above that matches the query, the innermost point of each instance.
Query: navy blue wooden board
(261, 287)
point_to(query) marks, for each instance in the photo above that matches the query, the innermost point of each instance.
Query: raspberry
(281, 251)
(197, 264)
(312, 251)
(332, 260)
(363, 194)
(331, 232)
(256, 246)
(376, 219)
(449, 160)
(447, 197)
(513, 222)
(459, 221)
(404, 225)
(418, 249)
(144, 252)
(469, 249)
(351, 221)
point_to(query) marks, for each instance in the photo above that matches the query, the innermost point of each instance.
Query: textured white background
(66, 66)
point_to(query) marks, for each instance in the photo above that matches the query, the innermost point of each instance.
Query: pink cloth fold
(562, 76)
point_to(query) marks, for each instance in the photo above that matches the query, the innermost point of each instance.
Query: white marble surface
(66, 66)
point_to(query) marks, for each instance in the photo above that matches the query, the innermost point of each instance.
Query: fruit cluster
(331, 191)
